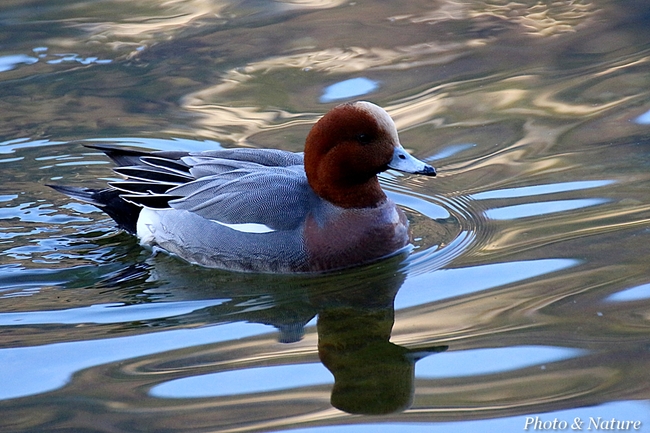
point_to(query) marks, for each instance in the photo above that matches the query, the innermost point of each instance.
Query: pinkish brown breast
(346, 237)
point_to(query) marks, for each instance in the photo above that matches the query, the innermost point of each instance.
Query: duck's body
(268, 210)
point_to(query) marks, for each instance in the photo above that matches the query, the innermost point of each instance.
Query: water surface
(526, 295)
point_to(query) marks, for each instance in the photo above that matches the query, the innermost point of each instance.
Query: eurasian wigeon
(265, 210)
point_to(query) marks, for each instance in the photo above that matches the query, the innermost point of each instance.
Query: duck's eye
(364, 138)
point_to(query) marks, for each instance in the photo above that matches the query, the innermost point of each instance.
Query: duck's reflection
(371, 374)
(355, 312)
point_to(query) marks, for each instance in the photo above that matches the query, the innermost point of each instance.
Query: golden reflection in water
(541, 18)
(535, 17)
(550, 391)
(546, 102)
(162, 21)
(154, 21)
(595, 222)
(312, 4)
(354, 59)
(496, 98)
(238, 124)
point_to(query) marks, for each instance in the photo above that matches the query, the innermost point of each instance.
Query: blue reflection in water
(527, 191)
(541, 208)
(23, 143)
(494, 360)
(643, 119)
(71, 57)
(245, 381)
(81, 208)
(9, 160)
(36, 369)
(32, 212)
(631, 294)
(425, 207)
(7, 63)
(450, 151)
(448, 283)
(349, 89)
(106, 313)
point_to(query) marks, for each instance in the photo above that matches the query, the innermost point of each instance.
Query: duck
(267, 210)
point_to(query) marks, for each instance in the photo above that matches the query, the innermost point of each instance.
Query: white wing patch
(247, 227)
(146, 226)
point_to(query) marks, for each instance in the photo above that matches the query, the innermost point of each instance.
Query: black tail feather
(124, 213)
(120, 155)
(124, 157)
(161, 170)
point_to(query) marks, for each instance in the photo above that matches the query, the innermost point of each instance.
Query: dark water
(532, 246)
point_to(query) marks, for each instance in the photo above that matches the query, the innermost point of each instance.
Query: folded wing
(232, 186)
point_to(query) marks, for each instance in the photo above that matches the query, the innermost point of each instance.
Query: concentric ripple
(443, 227)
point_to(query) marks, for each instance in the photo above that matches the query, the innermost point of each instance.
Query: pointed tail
(124, 213)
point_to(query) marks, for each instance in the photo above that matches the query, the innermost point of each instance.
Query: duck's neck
(347, 194)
